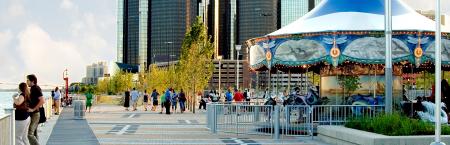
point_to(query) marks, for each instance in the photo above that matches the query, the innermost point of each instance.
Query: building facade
(94, 72)
(292, 10)
(151, 31)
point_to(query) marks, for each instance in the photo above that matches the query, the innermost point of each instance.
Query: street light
(220, 72)
(167, 50)
(238, 48)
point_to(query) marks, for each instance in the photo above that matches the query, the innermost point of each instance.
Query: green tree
(349, 84)
(195, 66)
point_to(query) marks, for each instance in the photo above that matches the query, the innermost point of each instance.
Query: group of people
(169, 100)
(230, 96)
(27, 114)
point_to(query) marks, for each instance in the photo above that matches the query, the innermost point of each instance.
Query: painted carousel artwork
(343, 41)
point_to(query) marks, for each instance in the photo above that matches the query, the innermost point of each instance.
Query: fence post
(214, 119)
(256, 116)
(276, 118)
(12, 123)
(311, 121)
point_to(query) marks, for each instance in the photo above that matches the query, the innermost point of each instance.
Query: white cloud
(67, 4)
(16, 9)
(47, 57)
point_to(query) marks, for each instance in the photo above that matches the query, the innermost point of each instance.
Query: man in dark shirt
(37, 100)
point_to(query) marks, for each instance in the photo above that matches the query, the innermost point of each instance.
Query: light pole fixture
(437, 81)
(238, 48)
(167, 51)
(220, 72)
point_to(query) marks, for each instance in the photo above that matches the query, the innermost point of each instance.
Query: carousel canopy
(357, 15)
(337, 31)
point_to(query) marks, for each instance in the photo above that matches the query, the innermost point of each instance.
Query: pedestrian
(89, 98)
(162, 99)
(36, 101)
(174, 101)
(57, 101)
(167, 100)
(247, 96)
(22, 118)
(155, 99)
(202, 101)
(182, 98)
(126, 103)
(134, 98)
(145, 100)
(228, 96)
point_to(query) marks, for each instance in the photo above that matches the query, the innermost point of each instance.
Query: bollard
(12, 124)
(276, 126)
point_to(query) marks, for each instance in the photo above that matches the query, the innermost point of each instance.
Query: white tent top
(358, 15)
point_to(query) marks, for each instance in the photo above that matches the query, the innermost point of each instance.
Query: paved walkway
(68, 131)
(112, 125)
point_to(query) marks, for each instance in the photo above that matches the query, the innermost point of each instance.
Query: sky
(45, 37)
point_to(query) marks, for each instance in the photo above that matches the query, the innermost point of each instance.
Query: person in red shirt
(238, 97)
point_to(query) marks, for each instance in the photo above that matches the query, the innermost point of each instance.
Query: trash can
(79, 108)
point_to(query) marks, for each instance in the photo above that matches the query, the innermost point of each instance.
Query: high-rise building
(256, 18)
(151, 31)
(94, 72)
(292, 10)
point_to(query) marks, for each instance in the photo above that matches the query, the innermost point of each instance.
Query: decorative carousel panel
(429, 52)
(372, 50)
(297, 52)
(257, 55)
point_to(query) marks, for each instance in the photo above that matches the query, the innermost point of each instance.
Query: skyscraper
(292, 10)
(151, 31)
(255, 18)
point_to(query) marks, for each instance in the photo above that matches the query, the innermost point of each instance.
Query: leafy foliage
(394, 125)
(349, 83)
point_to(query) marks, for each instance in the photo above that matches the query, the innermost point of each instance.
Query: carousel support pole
(376, 82)
(388, 61)
(437, 81)
(289, 81)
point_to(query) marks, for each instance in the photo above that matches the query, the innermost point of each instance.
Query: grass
(395, 125)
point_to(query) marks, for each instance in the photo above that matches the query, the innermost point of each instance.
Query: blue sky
(45, 37)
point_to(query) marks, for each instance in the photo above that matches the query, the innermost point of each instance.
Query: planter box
(340, 135)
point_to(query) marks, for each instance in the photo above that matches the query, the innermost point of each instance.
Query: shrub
(394, 125)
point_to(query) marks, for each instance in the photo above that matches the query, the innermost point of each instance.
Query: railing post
(256, 111)
(214, 119)
(311, 121)
(276, 118)
(12, 124)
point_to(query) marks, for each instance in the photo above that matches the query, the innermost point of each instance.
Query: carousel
(343, 41)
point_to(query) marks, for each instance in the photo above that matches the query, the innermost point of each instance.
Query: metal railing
(7, 122)
(278, 121)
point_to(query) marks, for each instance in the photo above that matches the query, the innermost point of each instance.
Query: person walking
(22, 118)
(36, 101)
(57, 101)
(155, 99)
(126, 103)
(162, 99)
(89, 98)
(247, 96)
(228, 96)
(182, 98)
(174, 101)
(145, 100)
(167, 100)
(134, 98)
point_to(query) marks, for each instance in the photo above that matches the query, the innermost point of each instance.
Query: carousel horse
(311, 98)
(428, 112)
(364, 102)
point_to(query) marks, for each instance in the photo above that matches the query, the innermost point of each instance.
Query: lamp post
(220, 72)
(167, 52)
(238, 48)
(437, 81)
